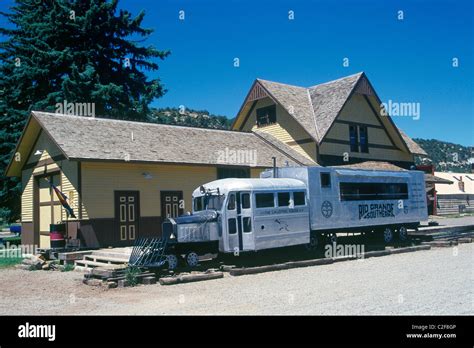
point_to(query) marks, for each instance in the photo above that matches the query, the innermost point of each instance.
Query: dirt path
(437, 281)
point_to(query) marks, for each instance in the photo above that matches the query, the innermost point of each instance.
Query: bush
(67, 267)
(131, 274)
(9, 261)
(12, 240)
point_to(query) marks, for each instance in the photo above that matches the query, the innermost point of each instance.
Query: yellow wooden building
(122, 178)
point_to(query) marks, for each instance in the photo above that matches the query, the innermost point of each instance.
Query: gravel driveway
(437, 281)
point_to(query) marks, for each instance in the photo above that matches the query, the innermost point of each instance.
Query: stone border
(325, 261)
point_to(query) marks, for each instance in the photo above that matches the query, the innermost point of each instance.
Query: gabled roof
(86, 138)
(328, 99)
(412, 145)
(316, 108)
(296, 101)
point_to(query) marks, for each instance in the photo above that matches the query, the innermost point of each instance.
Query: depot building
(122, 178)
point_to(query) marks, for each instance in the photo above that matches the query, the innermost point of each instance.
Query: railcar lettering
(373, 211)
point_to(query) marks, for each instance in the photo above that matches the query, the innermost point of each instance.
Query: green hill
(189, 117)
(446, 156)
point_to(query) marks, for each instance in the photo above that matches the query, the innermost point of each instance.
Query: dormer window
(266, 115)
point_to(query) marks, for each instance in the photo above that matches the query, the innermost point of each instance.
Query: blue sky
(406, 61)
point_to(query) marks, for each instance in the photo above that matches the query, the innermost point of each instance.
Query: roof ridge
(135, 122)
(314, 114)
(336, 80)
(281, 83)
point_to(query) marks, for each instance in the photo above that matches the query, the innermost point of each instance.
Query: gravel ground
(437, 282)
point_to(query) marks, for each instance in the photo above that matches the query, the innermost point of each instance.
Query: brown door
(127, 215)
(49, 207)
(171, 204)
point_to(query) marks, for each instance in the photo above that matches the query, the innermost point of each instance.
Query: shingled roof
(327, 100)
(316, 108)
(412, 145)
(86, 138)
(296, 101)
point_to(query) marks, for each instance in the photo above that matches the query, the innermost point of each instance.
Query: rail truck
(295, 206)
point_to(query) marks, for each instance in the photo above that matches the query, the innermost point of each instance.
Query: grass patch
(11, 240)
(9, 261)
(131, 274)
(67, 268)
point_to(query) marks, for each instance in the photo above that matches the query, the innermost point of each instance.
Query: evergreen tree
(79, 51)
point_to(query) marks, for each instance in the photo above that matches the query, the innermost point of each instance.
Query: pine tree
(79, 51)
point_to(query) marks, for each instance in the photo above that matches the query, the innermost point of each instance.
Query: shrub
(9, 261)
(131, 274)
(12, 240)
(67, 267)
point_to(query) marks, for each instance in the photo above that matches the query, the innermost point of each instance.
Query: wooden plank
(187, 278)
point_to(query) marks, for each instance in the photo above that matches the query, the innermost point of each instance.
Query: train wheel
(172, 261)
(192, 259)
(403, 234)
(388, 235)
(313, 243)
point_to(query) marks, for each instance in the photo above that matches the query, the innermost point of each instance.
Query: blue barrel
(15, 228)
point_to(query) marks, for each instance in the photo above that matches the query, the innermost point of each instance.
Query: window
(245, 200)
(264, 200)
(232, 226)
(266, 115)
(231, 202)
(353, 191)
(325, 180)
(247, 222)
(353, 138)
(298, 198)
(198, 204)
(215, 202)
(364, 142)
(283, 199)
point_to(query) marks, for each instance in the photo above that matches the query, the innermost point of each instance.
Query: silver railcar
(297, 206)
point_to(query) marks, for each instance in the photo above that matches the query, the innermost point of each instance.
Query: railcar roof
(374, 173)
(234, 184)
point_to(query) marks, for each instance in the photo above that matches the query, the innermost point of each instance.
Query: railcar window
(232, 226)
(283, 199)
(247, 224)
(325, 180)
(264, 200)
(198, 204)
(353, 191)
(215, 202)
(298, 198)
(246, 201)
(231, 202)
